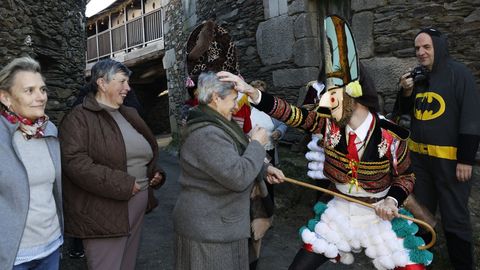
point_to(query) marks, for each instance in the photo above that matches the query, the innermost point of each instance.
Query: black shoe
(76, 254)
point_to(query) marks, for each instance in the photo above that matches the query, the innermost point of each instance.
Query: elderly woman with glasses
(109, 163)
(219, 167)
(30, 172)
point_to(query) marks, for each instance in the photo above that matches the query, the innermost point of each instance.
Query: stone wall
(175, 35)
(385, 31)
(53, 32)
(277, 41)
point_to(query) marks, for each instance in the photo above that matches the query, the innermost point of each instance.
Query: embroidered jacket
(385, 162)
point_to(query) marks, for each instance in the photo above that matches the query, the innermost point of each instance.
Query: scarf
(261, 205)
(203, 115)
(29, 129)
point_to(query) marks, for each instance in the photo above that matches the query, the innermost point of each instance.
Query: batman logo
(428, 106)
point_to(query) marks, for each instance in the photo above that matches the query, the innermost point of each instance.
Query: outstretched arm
(312, 121)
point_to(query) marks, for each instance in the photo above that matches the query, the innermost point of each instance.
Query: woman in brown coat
(109, 165)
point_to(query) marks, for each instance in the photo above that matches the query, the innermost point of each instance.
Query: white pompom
(312, 174)
(388, 234)
(346, 258)
(383, 251)
(331, 251)
(376, 239)
(400, 258)
(388, 225)
(343, 246)
(318, 175)
(326, 218)
(319, 246)
(348, 233)
(387, 262)
(364, 239)
(392, 244)
(315, 166)
(373, 230)
(313, 144)
(332, 212)
(378, 265)
(315, 156)
(371, 252)
(326, 233)
(332, 237)
(308, 237)
(355, 244)
(322, 229)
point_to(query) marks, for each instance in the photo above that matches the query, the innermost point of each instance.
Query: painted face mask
(340, 104)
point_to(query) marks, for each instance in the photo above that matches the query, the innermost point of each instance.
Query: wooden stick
(421, 222)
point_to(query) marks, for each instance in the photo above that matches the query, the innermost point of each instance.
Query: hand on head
(240, 85)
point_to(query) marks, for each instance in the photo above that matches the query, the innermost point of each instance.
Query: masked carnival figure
(366, 157)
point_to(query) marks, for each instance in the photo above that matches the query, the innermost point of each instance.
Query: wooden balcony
(117, 35)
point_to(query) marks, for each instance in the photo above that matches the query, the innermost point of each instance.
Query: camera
(418, 74)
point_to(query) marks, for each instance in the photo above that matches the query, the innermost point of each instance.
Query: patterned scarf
(30, 129)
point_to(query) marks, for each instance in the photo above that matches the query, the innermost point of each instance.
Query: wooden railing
(135, 33)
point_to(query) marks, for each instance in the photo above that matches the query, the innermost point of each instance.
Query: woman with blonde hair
(30, 171)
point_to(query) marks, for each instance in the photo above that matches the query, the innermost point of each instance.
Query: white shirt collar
(362, 130)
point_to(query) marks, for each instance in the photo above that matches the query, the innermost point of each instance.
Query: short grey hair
(7, 74)
(208, 83)
(106, 68)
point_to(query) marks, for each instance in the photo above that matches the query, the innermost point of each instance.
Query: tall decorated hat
(342, 66)
(341, 61)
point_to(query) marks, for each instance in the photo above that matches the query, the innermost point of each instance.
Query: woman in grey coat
(30, 173)
(219, 165)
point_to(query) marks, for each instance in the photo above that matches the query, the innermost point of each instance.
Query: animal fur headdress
(210, 48)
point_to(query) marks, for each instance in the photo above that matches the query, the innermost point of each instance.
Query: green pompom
(319, 208)
(413, 242)
(399, 223)
(424, 257)
(413, 228)
(311, 224)
(403, 227)
(405, 212)
(400, 227)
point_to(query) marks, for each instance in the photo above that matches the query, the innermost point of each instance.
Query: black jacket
(445, 107)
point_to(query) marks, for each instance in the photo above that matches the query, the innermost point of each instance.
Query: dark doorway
(149, 82)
